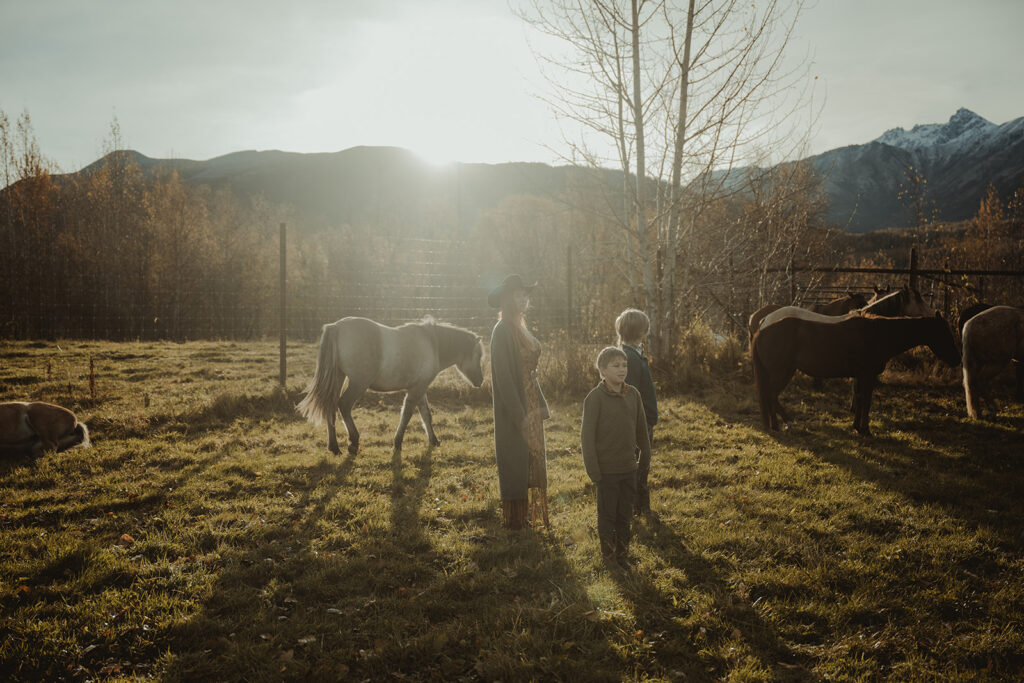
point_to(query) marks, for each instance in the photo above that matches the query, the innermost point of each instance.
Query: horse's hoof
(334, 449)
(353, 448)
(435, 442)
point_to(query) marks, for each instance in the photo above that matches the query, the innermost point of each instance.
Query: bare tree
(675, 97)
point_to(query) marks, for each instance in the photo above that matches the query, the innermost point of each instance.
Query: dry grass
(209, 534)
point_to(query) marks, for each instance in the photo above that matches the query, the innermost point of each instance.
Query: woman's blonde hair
(632, 325)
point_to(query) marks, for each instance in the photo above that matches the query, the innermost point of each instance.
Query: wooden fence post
(284, 313)
(568, 289)
(792, 281)
(913, 268)
(945, 294)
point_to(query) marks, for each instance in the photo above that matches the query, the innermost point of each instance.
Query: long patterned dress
(529, 355)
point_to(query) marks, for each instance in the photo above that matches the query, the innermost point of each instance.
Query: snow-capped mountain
(959, 159)
(965, 128)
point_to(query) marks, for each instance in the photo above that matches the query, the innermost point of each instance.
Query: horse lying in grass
(382, 358)
(858, 347)
(32, 428)
(991, 340)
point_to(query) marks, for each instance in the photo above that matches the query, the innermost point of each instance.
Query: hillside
(959, 159)
(392, 186)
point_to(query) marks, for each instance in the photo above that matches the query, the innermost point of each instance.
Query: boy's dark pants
(616, 494)
(643, 468)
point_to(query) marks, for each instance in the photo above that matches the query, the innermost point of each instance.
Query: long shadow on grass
(354, 578)
(980, 487)
(674, 642)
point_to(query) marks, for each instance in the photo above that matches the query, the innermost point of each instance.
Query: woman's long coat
(510, 448)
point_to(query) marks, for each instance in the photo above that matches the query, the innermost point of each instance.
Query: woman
(519, 406)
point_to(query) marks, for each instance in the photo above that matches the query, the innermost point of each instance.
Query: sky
(452, 80)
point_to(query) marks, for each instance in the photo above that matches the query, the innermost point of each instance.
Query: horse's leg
(352, 394)
(428, 421)
(779, 411)
(972, 389)
(1018, 370)
(408, 405)
(865, 386)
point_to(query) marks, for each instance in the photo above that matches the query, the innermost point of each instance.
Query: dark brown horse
(858, 347)
(844, 304)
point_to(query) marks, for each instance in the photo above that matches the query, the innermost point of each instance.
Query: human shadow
(675, 640)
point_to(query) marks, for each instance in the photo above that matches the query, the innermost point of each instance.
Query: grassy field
(208, 534)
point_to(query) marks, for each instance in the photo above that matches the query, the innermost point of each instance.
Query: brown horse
(991, 339)
(31, 428)
(844, 304)
(858, 347)
(382, 358)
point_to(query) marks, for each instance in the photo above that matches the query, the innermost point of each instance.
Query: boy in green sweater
(614, 431)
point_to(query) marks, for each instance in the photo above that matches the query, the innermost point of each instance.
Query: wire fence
(417, 277)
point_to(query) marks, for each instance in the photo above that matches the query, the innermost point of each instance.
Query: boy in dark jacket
(632, 327)
(614, 427)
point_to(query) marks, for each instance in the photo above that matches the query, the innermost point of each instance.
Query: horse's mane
(445, 334)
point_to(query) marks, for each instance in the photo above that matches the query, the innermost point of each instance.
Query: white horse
(991, 339)
(382, 358)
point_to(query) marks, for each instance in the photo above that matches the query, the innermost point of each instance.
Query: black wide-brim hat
(509, 284)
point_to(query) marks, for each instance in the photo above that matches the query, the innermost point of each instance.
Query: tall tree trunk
(640, 203)
(668, 284)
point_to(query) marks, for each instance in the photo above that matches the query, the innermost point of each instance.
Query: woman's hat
(510, 284)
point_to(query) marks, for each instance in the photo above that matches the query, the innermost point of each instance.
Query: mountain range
(959, 159)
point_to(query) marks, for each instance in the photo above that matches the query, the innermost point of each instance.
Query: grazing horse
(31, 428)
(901, 302)
(858, 347)
(382, 358)
(843, 304)
(1018, 365)
(991, 339)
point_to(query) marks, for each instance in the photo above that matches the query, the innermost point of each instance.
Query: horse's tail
(970, 395)
(972, 374)
(323, 390)
(761, 382)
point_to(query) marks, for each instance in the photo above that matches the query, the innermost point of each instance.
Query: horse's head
(912, 303)
(857, 300)
(470, 363)
(942, 343)
(879, 292)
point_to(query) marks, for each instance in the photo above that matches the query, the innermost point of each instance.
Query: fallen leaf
(126, 539)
